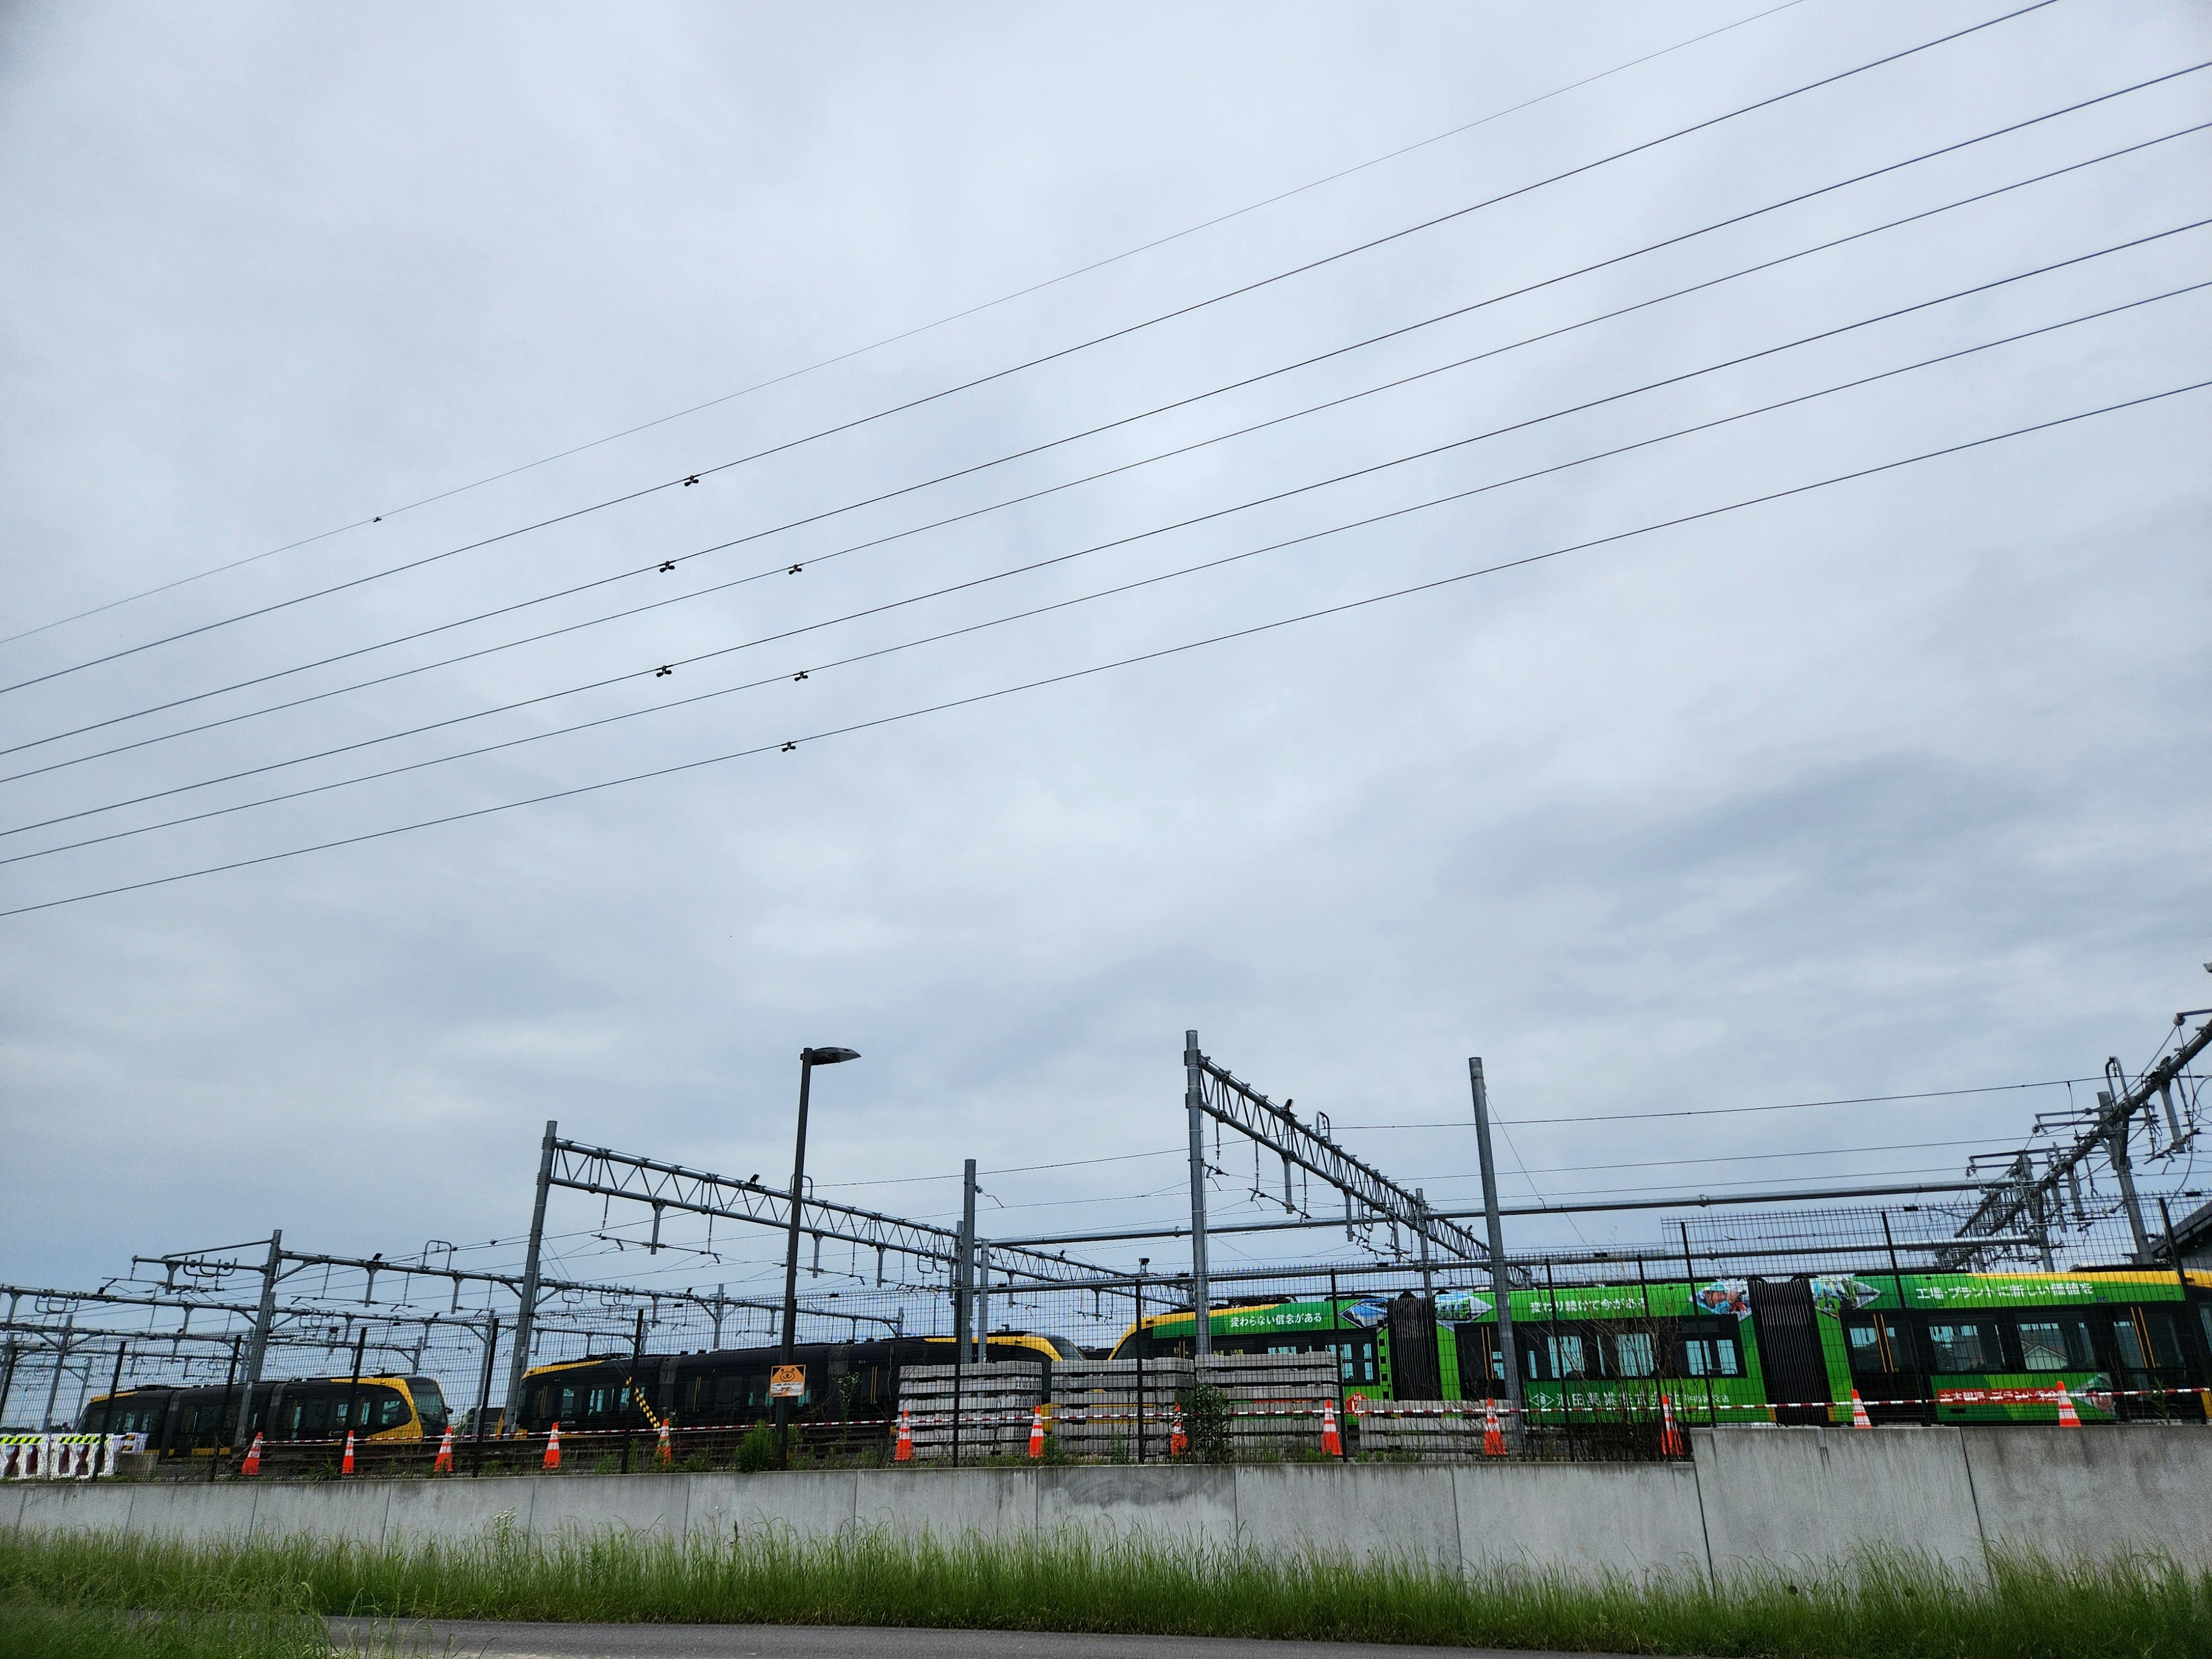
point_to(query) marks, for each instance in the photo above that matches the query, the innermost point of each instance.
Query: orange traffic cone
(903, 1452)
(1670, 1437)
(1859, 1417)
(444, 1465)
(1493, 1437)
(345, 1463)
(1178, 1441)
(252, 1464)
(2068, 1417)
(1036, 1432)
(1329, 1441)
(666, 1453)
(553, 1448)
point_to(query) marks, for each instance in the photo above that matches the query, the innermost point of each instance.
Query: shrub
(757, 1451)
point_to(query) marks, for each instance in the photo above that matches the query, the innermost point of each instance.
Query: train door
(2149, 1373)
(1886, 1368)
(1788, 1336)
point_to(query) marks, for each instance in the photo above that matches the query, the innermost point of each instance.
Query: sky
(1887, 786)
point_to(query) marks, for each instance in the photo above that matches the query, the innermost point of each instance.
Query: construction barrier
(59, 1456)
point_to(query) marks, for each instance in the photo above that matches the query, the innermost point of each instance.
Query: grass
(36, 1630)
(1879, 1608)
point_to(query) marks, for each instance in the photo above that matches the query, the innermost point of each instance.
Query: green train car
(2106, 1343)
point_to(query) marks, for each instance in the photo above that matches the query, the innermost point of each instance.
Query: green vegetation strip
(128, 1595)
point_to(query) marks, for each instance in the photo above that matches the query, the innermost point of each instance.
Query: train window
(1710, 1356)
(1968, 1346)
(1635, 1353)
(429, 1404)
(2057, 1344)
(1355, 1361)
(1568, 1356)
(374, 1407)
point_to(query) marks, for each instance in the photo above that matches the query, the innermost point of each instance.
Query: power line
(1739, 1157)
(1730, 1111)
(1211, 564)
(790, 744)
(1123, 333)
(894, 339)
(663, 565)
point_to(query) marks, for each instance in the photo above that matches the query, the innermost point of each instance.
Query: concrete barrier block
(192, 1509)
(1405, 1511)
(608, 1503)
(948, 1504)
(352, 1512)
(805, 1502)
(67, 1506)
(2103, 1492)
(1195, 1504)
(1782, 1497)
(1581, 1520)
(11, 1503)
(454, 1510)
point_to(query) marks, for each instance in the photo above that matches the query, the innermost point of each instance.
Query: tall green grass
(82, 1599)
(1878, 1607)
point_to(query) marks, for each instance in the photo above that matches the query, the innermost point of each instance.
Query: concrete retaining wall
(1751, 1497)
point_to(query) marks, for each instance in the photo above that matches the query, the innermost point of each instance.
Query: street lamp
(808, 1060)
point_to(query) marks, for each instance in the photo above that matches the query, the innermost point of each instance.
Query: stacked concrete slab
(995, 1403)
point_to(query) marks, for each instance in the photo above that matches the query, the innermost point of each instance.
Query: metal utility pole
(2124, 1168)
(264, 1318)
(1428, 1274)
(483, 1389)
(963, 1308)
(808, 1060)
(1500, 1282)
(525, 1317)
(54, 1388)
(1193, 1100)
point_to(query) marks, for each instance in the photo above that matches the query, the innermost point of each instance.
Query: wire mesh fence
(1865, 1316)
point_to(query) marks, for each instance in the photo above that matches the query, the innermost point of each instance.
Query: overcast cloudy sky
(1897, 785)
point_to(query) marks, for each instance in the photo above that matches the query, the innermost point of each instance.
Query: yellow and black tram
(201, 1419)
(845, 1382)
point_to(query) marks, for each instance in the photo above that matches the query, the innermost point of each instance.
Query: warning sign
(787, 1382)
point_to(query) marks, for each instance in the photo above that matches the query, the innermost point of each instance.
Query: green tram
(2126, 1344)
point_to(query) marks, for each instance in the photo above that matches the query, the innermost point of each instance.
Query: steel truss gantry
(608, 1174)
(1228, 1099)
(2024, 1196)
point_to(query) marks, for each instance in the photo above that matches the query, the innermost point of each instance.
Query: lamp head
(827, 1056)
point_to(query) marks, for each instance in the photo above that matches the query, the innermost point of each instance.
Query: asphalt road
(462, 1638)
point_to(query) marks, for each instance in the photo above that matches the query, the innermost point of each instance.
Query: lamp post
(808, 1060)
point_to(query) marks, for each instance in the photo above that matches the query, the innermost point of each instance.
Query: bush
(1206, 1421)
(757, 1451)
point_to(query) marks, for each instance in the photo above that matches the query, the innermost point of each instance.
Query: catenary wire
(1731, 1111)
(1193, 307)
(666, 563)
(781, 677)
(790, 744)
(907, 334)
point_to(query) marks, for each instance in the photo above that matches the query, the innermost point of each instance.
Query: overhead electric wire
(668, 562)
(699, 473)
(1745, 1157)
(783, 676)
(907, 334)
(1731, 1111)
(876, 723)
